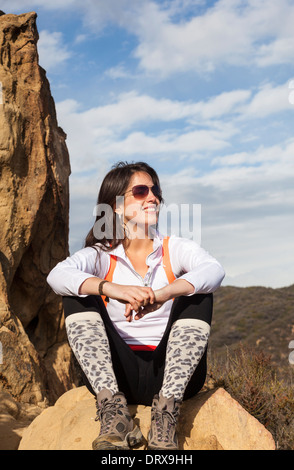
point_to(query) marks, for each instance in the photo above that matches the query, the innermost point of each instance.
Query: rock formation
(210, 421)
(15, 417)
(34, 211)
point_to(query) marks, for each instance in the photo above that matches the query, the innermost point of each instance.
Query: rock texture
(34, 208)
(210, 421)
(15, 417)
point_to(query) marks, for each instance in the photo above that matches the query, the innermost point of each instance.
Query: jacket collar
(153, 258)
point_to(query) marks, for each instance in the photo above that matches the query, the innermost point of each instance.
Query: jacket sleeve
(191, 262)
(68, 275)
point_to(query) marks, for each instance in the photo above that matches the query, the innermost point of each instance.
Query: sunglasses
(142, 190)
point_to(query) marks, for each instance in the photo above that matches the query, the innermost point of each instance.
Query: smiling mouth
(150, 209)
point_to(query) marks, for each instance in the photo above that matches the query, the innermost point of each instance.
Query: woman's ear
(119, 205)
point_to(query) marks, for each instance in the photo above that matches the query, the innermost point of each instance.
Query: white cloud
(223, 104)
(52, 52)
(119, 71)
(80, 38)
(269, 99)
(167, 144)
(280, 51)
(230, 32)
(130, 109)
(274, 154)
(271, 169)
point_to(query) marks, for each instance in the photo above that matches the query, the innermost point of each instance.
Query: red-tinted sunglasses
(142, 190)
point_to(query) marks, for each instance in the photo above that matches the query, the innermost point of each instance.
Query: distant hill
(256, 316)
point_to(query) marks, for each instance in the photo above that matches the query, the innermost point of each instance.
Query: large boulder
(210, 421)
(34, 213)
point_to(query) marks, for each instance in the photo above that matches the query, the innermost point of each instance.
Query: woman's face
(139, 214)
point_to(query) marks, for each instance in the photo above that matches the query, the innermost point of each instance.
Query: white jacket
(188, 261)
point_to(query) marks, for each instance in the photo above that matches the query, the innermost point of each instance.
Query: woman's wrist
(93, 286)
(175, 289)
(163, 295)
(101, 287)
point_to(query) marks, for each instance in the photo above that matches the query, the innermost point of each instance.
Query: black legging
(140, 373)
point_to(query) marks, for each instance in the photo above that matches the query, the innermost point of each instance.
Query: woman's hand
(135, 297)
(176, 289)
(160, 297)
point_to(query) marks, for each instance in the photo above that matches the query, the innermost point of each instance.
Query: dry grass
(249, 376)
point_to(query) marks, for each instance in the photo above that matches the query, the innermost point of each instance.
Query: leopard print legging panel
(186, 345)
(89, 342)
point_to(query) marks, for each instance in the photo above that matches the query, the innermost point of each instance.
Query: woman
(138, 310)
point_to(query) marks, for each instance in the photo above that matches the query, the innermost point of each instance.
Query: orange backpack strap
(109, 276)
(166, 261)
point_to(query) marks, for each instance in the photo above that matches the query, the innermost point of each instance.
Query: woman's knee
(72, 304)
(197, 306)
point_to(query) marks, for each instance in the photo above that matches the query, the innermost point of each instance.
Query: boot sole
(132, 439)
(154, 447)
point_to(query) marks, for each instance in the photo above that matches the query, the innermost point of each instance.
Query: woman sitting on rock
(138, 310)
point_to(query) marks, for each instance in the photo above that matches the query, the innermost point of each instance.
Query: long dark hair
(115, 184)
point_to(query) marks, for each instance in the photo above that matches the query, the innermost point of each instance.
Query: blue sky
(201, 90)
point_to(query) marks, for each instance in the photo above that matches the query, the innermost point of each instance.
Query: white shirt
(188, 261)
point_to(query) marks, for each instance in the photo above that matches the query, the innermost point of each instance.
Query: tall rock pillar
(34, 213)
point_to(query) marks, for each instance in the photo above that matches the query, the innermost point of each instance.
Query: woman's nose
(150, 196)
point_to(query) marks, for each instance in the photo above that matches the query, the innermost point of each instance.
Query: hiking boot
(117, 429)
(164, 414)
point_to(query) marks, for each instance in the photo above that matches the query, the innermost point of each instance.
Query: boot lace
(106, 412)
(165, 423)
